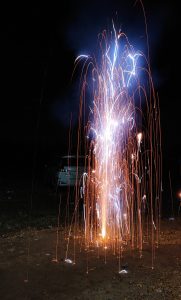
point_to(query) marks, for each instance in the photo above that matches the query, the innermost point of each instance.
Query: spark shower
(121, 187)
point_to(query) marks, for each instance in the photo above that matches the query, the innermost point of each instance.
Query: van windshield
(72, 161)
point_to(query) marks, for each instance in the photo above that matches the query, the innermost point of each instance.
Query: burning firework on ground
(122, 183)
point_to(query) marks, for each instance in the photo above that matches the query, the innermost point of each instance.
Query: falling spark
(139, 138)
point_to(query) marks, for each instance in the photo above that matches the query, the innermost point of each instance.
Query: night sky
(38, 47)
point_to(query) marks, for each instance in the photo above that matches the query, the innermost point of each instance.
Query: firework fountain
(121, 187)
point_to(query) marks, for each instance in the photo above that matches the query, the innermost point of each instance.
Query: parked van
(71, 170)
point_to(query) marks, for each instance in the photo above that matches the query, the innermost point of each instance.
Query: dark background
(39, 44)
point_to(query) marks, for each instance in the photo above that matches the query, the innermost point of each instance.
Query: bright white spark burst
(113, 117)
(115, 188)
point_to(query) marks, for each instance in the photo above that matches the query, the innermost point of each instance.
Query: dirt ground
(28, 270)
